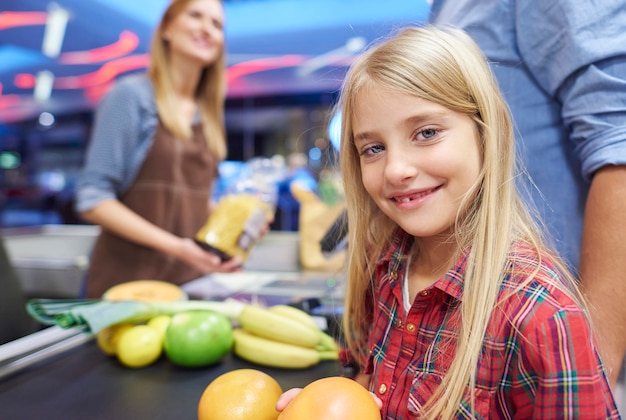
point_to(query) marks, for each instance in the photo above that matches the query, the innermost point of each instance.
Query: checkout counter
(62, 374)
(78, 381)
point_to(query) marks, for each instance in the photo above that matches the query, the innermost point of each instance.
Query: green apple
(198, 338)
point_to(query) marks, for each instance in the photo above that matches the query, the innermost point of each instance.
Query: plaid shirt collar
(394, 262)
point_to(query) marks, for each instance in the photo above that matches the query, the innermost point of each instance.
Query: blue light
(334, 130)
(315, 154)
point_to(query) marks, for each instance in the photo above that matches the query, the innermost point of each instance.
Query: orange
(333, 398)
(241, 394)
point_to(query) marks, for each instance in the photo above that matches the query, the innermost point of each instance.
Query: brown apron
(172, 190)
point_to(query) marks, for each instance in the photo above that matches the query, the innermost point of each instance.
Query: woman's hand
(290, 394)
(204, 261)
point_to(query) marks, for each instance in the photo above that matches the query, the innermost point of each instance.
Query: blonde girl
(455, 306)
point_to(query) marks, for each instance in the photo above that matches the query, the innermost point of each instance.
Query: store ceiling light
(55, 30)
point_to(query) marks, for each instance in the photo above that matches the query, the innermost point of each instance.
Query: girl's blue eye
(429, 132)
(372, 150)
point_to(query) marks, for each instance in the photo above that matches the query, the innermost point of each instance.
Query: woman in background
(153, 156)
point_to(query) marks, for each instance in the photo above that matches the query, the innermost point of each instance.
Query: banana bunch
(282, 336)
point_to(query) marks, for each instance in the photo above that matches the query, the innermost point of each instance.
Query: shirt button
(393, 275)
(425, 293)
(382, 389)
(410, 328)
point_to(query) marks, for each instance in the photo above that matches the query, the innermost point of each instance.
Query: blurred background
(286, 61)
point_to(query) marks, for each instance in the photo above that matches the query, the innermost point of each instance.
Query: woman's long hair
(444, 66)
(210, 92)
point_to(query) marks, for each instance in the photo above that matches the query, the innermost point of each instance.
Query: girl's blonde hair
(444, 66)
(210, 92)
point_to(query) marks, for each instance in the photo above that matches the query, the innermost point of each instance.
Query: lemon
(139, 346)
(160, 323)
(108, 338)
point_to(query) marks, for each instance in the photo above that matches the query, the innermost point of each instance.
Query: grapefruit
(241, 394)
(333, 398)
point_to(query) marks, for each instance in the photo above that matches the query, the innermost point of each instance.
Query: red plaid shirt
(538, 360)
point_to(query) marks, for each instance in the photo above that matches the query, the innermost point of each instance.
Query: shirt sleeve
(115, 137)
(576, 50)
(560, 366)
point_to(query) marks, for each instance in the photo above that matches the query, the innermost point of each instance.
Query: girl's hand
(290, 394)
(286, 398)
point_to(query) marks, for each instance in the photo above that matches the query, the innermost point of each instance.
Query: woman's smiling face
(418, 159)
(197, 33)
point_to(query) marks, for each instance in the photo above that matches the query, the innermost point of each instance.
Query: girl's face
(417, 158)
(197, 33)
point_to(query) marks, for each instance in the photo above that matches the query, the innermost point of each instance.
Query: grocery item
(198, 338)
(269, 324)
(108, 338)
(139, 346)
(241, 394)
(267, 352)
(234, 226)
(145, 291)
(333, 398)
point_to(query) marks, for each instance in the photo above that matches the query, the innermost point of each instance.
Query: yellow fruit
(145, 291)
(241, 394)
(139, 346)
(333, 398)
(160, 323)
(108, 338)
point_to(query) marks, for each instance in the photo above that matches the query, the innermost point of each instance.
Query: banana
(295, 314)
(263, 351)
(326, 341)
(277, 327)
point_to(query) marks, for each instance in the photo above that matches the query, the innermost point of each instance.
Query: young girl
(455, 306)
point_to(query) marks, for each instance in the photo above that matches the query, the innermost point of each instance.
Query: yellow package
(234, 226)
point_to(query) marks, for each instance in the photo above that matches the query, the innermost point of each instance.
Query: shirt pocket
(425, 384)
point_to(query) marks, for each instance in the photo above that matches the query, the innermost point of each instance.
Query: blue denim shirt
(562, 68)
(124, 126)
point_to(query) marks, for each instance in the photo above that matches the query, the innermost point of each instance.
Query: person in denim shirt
(561, 65)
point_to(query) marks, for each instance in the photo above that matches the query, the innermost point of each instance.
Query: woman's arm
(115, 217)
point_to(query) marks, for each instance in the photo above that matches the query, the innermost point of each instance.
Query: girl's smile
(413, 199)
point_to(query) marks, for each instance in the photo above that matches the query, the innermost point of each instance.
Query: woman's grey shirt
(124, 127)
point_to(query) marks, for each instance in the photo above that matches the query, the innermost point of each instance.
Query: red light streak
(126, 44)
(13, 19)
(263, 64)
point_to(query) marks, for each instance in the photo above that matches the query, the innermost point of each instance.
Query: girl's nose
(400, 167)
